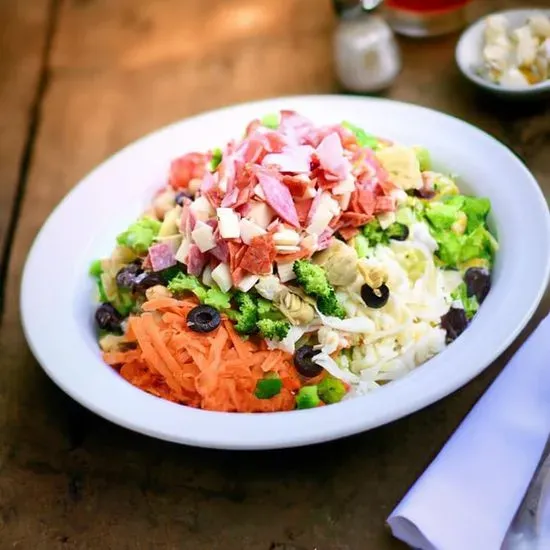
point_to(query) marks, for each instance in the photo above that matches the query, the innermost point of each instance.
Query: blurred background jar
(420, 18)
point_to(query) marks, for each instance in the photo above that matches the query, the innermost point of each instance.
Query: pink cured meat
(208, 183)
(313, 207)
(161, 256)
(184, 220)
(331, 156)
(230, 198)
(279, 198)
(296, 159)
(221, 251)
(325, 238)
(196, 260)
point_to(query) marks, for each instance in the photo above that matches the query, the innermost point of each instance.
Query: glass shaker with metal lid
(366, 55)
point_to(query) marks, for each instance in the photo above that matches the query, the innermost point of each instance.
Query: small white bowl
(469, 55)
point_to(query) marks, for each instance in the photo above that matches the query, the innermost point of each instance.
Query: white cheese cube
(526, 46)
(259, 192)
(207, 276)
(326, 210)
(345, 186)
(202, 208)
(249, 230)
(286, 237)
(222, 277)
(261, 214)
(514, 78)
(183, 251)
(386, 219)
(228, 223)
(344, 200)
(247, 282)
(285, 271)
(203, 235)
(285, 249)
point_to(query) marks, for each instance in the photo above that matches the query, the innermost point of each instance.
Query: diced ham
(295, 159)
(230, 198)
(208, 183)
(294, 126)
(186, 168)
(297, 185)
(161, 256)
(196, 260)
(331, 157)
(220, 251)
(325, 238)
(279, 198)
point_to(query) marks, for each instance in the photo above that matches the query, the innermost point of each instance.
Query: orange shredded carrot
(216, 371)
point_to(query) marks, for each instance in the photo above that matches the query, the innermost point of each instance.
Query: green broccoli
(270, 121)
(424, 158)
(307, 398)
(363, 139)
(247, 316)
(273, 330)
(331, 390)
(268, 387)
(182, 283)
(374, 233)
(140, 235)
(470, 303)
(312, 278)
(266, 310)
(217, 156)
(217, 299)
(361, 245)
(329, 305)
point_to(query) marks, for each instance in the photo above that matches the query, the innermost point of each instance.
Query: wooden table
(79, 79)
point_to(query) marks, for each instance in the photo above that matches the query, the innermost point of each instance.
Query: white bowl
(468, 56)
(84, 225)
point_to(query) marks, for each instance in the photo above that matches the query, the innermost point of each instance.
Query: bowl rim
(467, 35)
(254, 431)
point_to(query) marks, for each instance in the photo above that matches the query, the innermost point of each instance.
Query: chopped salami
(384, 204)
(325, 238)
(259, 256)
(348, 233)
(279, 198)
(161, 256)
(297, 185)
(196, 260)
(303, 208)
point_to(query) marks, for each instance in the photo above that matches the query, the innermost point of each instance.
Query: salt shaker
(366, 54)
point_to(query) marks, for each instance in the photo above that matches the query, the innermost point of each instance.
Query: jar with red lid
(427, 17)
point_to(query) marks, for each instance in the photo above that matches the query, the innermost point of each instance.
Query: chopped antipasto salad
(295, 267)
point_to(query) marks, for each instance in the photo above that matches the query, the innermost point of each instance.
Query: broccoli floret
(329, 305)
(273, 330)
(270, 121)
(266, 310)
(312, 278)
(374, 233)
(363, 139)
(361, 245)
(397, 231)
(247, 316)
(217, 156)
(331, 390)
(307, 398)
(140, 235)
(268, 387)
(470, 303)
(187, 283)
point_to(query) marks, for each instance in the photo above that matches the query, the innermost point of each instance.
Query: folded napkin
(468, 496)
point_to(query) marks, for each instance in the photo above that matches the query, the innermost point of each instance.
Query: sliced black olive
(108, 318)
(454, 322)
(203, 319)
(126, 277)
(478, 282)
(424, 193)
(375, 297)
(146, 280)
(181, 196)
(397, 231)
(303, 361)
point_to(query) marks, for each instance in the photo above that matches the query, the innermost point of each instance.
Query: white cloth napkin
(468, 496)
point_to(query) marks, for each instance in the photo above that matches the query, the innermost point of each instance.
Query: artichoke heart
(297, 310)
(340, 262)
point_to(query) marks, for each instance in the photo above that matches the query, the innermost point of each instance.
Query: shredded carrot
(216, 371)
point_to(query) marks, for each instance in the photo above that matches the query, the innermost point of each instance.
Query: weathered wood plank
(23, 28)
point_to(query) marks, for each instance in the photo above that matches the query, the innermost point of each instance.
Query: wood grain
(23, 31)
(72, 480)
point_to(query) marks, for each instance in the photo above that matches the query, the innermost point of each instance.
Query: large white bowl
(84, 226)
